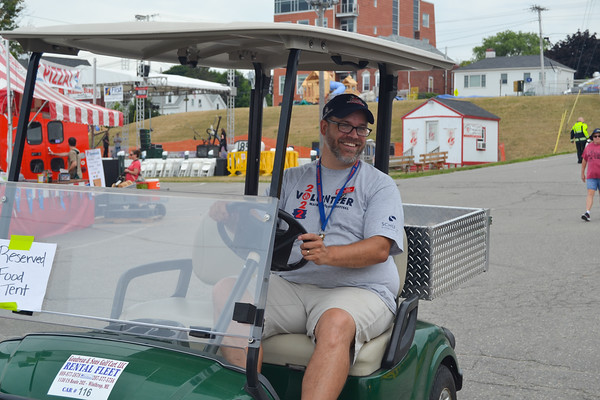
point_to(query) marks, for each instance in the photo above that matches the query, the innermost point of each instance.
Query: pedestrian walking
(591, 161)
(579, 135)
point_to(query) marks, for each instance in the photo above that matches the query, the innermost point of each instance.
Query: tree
(509, 43)
(10, 11)
(580, 51)
(149, 107)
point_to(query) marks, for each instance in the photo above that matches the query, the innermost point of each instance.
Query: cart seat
(296, 349)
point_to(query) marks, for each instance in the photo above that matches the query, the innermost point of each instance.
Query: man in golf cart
(344, 295)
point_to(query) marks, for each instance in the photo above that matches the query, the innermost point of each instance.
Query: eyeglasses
(595, 136)
(347, 128)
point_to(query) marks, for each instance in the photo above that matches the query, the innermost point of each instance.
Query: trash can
(221, 167)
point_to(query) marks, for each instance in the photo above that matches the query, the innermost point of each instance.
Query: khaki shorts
(296, 308)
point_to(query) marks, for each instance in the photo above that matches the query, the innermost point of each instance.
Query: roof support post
(26, 101)
(257, 95)
(387, 91)
(284, 122)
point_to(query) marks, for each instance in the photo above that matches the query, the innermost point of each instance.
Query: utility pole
(539, 10)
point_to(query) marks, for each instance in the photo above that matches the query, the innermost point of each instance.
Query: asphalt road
(527, 328)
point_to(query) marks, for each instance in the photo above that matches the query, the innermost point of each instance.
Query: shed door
(432, 141)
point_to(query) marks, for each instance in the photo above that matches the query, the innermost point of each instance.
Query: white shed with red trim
(467, 132)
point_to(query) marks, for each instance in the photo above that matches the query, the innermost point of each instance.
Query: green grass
(529, 126)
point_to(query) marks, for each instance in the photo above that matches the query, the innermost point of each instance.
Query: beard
(344, 157)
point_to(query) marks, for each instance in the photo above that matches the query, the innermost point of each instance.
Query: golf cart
(94, 310)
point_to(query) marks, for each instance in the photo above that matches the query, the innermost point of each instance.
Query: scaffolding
(231, 108)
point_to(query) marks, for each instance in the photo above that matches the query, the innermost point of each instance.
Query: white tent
(59, 106)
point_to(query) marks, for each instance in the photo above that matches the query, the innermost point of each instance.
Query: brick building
(409, 22)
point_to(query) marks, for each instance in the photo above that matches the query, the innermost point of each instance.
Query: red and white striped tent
(59, 106)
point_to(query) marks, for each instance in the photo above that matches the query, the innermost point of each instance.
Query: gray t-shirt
(370, 207)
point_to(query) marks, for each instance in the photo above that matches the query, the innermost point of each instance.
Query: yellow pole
(562, 122)
(573, 108)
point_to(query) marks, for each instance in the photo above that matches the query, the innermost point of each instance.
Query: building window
(430, 84)
(375, 3)
(526, 76)
(325, 22)
(288, 6)
(304, 22)
(348, 25)
(374, 30)
(503, 79)
(395, 8)
(281, 84)
(299, 81)
(416, 14)
(425, 20)
(377, 78)
(192, 102)
(474, 81)
(366, 81)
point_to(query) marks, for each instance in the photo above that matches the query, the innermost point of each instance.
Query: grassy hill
(529, 126)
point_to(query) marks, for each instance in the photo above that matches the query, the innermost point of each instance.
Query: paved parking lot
(528, 328)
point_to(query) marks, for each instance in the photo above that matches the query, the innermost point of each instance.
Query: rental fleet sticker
(83, 377)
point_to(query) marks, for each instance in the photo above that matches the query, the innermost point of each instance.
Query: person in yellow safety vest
(580, 136)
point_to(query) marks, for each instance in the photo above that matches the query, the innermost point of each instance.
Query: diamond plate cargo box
(446, 247)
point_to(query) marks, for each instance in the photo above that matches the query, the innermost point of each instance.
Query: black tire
(443, 387)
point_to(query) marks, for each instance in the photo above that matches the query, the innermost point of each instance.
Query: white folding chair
(168, 168)
(160, 165)
(196, 167)
(184, 169)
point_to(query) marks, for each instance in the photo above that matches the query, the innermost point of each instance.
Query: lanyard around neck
(324, 218)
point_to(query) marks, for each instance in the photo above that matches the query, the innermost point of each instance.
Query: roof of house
(419, 44)
(512, 63)
(466, 108)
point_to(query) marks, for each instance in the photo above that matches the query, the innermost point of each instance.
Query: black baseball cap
(345, 104)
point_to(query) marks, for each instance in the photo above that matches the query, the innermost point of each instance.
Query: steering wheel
(245, 236)
(284, 241)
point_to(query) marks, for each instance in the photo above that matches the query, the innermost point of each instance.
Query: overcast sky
(461, 25)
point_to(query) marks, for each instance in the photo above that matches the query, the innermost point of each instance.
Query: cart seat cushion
(296, 350)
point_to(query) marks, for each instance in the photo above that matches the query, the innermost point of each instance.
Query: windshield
(140, 262)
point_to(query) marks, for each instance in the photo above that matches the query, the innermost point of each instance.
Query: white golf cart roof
(231, 45)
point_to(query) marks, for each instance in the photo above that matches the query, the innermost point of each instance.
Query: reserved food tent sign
(24, 271)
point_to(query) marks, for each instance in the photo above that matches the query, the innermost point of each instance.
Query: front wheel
(443, 387)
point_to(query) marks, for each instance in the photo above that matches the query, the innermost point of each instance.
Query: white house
(177, 103)
(467, 132)
(495, 76)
